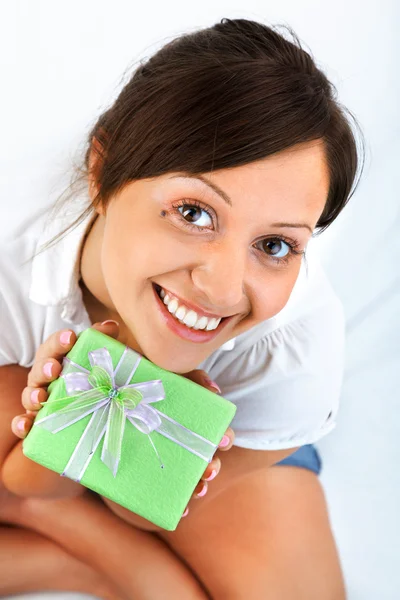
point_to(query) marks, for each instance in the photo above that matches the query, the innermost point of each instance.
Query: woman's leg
(138, 563)
(267, 536)
(31, 563)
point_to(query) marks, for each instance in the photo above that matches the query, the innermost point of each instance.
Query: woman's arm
(12, 381)
(19, 474)
(24, 477)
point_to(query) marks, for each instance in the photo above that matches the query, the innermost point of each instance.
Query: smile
(185, 322)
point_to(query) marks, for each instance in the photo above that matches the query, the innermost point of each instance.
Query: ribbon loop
(152, 391)
(100, 378)
(102, 358)
(76, 382)
(131, 397)
(144, 418)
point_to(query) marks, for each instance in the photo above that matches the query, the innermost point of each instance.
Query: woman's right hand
(46, 368)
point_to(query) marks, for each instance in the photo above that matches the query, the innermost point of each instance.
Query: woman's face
(229, 244)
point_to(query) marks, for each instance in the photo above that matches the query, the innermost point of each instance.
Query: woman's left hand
(213, 468)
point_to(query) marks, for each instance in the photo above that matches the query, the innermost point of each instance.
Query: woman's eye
(276, 248)
(192, 214)
(195, 217)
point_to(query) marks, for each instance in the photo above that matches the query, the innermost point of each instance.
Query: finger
(201, 377)
(109, 327)
(32, 398)
(61, 342)
(21, 425)
(209, 474)
(44, 371)
(48, 367)
(200, 490)
(57, 345)
(212, 470)
(227, 441)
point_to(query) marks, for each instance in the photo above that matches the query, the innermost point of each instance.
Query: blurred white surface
(62, 63)
(51, 596)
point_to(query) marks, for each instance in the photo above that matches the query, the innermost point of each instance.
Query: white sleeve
(15, 313)
(287, 385)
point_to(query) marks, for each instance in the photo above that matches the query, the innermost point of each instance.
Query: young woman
(202, 186)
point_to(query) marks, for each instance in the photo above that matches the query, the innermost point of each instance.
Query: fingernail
(47, 369)
(203, 492)
(186, 512)
(212, 384)
(224, 442)
(65, 337)
(211, 477)
(21, 425)
(35, 397)
(110, 321)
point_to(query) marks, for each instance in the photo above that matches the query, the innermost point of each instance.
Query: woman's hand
(213, 468)
(46, 368)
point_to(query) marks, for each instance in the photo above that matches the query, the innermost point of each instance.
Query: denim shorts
(307, 457)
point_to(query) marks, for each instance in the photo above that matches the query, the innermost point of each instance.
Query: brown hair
(217, 98)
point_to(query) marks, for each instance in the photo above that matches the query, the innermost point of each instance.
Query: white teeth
(173, 305)
(201, 323)
(212, 324)
(186, 316)
(180, 313)
(190, 319)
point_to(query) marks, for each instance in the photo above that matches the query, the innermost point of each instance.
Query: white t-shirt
(284, 375)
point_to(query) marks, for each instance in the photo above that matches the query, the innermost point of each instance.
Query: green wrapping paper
(155, 476)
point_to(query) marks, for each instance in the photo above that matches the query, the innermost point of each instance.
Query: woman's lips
(184, 332)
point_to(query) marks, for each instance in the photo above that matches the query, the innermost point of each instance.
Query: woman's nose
(220, 277)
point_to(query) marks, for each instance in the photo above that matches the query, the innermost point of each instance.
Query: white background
(61, 65)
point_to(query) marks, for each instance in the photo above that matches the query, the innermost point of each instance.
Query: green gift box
(131, 431)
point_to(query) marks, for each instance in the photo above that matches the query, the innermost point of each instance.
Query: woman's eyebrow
(226, 198)
(213, 186)
(298, 225)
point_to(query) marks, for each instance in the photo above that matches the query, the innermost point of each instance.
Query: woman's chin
(171, 362)
(167, 354)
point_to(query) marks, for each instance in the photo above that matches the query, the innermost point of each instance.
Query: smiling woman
(203, 184)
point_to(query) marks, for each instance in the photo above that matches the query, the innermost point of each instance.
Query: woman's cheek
(276, 296)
